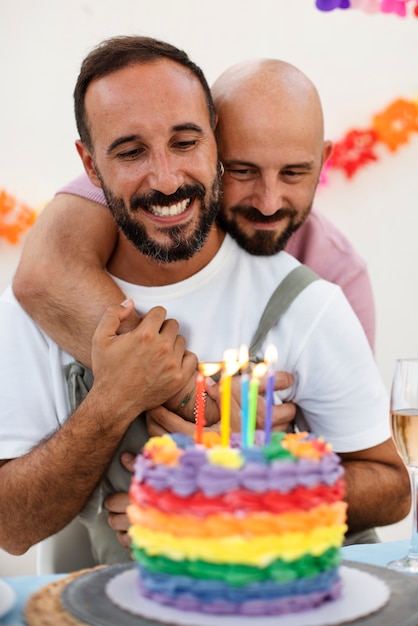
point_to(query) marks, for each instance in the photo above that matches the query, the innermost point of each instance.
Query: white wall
(360, 63)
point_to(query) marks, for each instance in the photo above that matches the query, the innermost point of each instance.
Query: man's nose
(164, 173)
(267, 197)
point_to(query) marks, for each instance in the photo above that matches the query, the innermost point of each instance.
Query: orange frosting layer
(227, 524)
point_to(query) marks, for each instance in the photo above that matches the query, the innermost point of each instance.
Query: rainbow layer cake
(231, 530)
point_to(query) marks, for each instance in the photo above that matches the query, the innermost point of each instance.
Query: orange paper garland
(15, 217)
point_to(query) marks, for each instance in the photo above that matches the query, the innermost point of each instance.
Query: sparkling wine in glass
(404, 426)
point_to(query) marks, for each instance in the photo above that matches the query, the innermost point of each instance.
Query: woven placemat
(44, 607)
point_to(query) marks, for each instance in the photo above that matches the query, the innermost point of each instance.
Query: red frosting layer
(200, 505)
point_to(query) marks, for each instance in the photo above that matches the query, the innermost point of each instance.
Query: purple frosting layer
(292, 604)
(195, 473)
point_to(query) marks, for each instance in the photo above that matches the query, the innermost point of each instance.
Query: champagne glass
(404, 426)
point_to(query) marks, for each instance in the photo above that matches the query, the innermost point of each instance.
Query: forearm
(43, 490)
(60, 280)
(46, 488)
(378, 491)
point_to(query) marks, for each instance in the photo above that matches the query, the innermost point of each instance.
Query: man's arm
(369, 474)
(47, 487)
(61, 282)
(62, 266)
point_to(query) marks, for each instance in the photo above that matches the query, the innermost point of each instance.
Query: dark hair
(119, 52)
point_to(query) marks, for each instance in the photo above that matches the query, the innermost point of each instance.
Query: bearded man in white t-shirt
(146, 127)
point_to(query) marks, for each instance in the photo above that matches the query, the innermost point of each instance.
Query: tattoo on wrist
(185, 400)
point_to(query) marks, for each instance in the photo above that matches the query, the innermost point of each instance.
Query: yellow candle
(229, 368)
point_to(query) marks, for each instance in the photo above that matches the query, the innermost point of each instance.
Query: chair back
(67, 551)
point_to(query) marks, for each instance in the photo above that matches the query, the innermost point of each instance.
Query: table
(374, 554)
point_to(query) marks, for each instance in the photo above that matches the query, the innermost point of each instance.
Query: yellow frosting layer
(226, 524)
(258, 551)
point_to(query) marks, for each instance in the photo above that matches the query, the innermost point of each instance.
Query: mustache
(144, 201)
(254, 215)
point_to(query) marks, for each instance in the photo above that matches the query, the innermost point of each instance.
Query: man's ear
(326, 152)
(88, 162)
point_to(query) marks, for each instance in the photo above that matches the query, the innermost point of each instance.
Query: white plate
(362, 595)
(7, 598)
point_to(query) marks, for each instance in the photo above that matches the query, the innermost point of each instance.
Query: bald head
(269, 87)
(270, 136)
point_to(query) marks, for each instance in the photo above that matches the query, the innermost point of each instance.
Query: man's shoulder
(83, 187)
(324, 248)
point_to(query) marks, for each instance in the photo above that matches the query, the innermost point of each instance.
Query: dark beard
(184, 245)
(261, 242)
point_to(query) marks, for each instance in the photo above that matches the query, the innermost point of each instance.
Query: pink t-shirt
(317, 243)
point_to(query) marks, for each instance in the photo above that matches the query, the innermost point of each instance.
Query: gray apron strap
(104, 544)
(281, 299)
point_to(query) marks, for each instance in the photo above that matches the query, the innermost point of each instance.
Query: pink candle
(200, 406)
(204, 369)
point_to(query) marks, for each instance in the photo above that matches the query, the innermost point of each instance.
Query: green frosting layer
(237, 575)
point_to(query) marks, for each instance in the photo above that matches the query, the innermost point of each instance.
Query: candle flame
(209, 369)
(230, 363)
(243, 357)
(271, 355)
(259, 370)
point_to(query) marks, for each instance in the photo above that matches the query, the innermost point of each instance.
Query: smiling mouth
(169, 211)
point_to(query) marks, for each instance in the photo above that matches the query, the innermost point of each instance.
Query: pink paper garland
(397, 7)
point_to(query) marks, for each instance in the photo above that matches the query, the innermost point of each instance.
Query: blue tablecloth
(375, 554)
(24, 586)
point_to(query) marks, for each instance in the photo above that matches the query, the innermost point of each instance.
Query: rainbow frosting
(230, 530)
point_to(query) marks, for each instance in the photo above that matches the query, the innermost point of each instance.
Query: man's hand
(161, 421)
(140, 369)
(283, 414)
(116, 505)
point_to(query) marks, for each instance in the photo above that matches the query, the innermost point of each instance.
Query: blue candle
(245, 389)
(270, 357)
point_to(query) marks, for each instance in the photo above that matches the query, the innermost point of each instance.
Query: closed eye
(185, 145)
(130, 155)
(241, 173)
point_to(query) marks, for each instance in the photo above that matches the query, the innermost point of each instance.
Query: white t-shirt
(319, 340)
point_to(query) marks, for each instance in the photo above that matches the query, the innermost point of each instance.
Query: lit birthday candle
(243, 358)
(270, 358)
(204, 370)
(229, 367)
(258, 372)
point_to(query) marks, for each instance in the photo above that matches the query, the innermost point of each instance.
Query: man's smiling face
(155, 156)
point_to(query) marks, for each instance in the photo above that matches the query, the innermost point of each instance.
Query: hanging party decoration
(396, 7)
(353, 151)
(396, 123)
(15, 217)
(390, 128)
